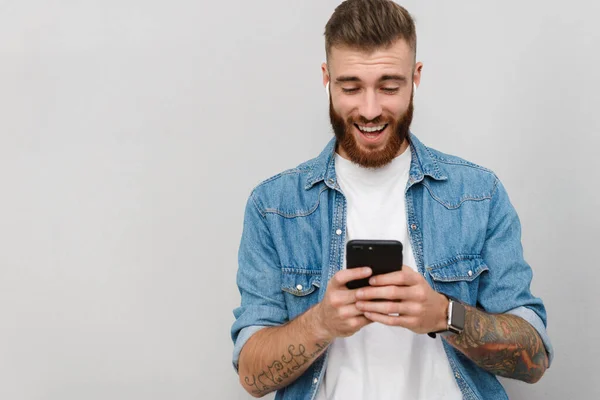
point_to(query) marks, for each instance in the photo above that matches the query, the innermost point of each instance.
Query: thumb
(341, 278)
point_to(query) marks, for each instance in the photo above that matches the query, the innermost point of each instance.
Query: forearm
(502, 344)
(274, 357)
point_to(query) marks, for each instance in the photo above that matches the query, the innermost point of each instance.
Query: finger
(400, 320)
(340, 297)
(381, 307)
(359, 322)
(350, 311)
(406, 277)
(382, 292)
(389, 307)
(341, 278)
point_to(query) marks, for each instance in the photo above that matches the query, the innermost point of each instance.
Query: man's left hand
(404, 298)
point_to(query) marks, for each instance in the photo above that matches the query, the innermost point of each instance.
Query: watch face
(458, 315)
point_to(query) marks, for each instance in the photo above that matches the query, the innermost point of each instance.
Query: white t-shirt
(379, 361)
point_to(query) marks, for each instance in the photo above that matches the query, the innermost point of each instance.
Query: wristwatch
(456, 317)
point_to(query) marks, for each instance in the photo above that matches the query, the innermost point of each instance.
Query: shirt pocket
(301, 288)
(459, 277)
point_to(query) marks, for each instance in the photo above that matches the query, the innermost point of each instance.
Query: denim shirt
(465, 234)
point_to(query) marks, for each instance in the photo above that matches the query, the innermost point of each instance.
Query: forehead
(344, 60)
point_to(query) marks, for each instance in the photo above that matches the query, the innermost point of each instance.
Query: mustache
(363, 121)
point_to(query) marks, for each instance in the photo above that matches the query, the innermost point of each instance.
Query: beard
(371, 158)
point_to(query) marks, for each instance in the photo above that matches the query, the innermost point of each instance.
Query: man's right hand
(337, 315)
(310, 333)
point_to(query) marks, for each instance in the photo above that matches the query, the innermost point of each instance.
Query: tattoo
(279, 371)
(502, 344)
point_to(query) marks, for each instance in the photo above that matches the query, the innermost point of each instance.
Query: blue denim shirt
(465, 234)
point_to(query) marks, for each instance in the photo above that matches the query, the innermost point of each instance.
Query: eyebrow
(392, 78)
(342, 79)
(347, 79)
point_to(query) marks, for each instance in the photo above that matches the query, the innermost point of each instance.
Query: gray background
(132, 131)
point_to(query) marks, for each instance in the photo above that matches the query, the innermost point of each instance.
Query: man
(300, 331)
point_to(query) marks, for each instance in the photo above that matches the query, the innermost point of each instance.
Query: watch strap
(449, 328)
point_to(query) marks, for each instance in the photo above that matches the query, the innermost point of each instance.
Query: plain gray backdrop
(132, 132)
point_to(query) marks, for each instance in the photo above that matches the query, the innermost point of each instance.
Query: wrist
(442, 318)
(317, 325)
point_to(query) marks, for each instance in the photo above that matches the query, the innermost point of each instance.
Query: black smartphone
(382, 256)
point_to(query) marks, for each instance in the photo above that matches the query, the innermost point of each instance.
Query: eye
(350, 90)
(390, 90)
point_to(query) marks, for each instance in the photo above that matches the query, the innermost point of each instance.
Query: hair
(369, 25)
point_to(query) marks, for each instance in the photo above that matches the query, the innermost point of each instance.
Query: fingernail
(360, 293)
(368, 314)
(372, 281)
(359, 304)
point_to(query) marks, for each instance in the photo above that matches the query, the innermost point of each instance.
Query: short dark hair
(368, 25)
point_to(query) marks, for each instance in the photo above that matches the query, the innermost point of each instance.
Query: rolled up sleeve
(506, 288)
(258, 280)
(530, 316)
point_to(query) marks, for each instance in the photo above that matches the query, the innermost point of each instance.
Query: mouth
(371, 133)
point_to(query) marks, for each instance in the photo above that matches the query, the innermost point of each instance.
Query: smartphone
(382, 256)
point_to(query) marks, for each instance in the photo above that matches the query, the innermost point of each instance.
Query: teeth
(371, 128)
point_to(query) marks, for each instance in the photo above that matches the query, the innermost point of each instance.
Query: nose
(370, 107)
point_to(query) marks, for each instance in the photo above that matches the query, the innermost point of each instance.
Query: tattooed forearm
(502, 344)
(280, 372)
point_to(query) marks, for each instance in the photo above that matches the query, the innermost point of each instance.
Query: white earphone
(414, 88)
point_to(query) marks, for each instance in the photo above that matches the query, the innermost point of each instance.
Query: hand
(337, 315)
(407, 294)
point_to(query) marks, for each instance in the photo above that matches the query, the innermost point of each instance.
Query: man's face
(371, 101)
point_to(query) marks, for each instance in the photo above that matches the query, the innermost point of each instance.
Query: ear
(417, 73)
(325, 73)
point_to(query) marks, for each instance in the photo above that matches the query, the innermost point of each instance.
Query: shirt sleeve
(506, 288)
(258, 280)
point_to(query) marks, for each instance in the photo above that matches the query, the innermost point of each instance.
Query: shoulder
(465, 179)
(458, 164)
(288, 193)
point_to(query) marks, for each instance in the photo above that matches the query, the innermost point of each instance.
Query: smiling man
(299, 330)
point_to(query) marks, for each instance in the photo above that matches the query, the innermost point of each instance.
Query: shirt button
(299, 287)
(470, 273)
(338, 232)
(331, 181)
(315, 381)
(413, 227)
(457, 375)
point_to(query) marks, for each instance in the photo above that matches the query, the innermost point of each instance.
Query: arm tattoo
(278, 373)
(502, 344)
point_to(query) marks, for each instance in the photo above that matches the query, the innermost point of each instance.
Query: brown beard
(371, 158)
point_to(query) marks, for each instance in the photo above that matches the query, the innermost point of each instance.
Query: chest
(311, 247)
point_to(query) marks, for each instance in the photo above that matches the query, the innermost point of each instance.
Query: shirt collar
(423, 164)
